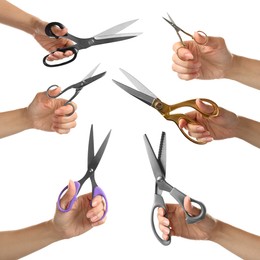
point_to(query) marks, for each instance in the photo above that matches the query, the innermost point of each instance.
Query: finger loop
(73, 108)
(177, 51)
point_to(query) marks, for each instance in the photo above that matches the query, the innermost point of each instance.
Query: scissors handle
(159, 203)
(97, 191)
(179, 196)
(50, 33)
(192, 103)
(67, 102)
(69, 206)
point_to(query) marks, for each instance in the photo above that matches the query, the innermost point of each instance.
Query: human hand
(52, 44)
(50, 114)
(175, 224)
(212, 128)
(209, 61)
(85, 214)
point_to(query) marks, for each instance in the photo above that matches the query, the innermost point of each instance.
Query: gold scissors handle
(166, 111)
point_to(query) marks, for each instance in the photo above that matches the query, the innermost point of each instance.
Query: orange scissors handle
(166, 111)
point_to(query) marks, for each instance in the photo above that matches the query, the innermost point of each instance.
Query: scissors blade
(138, 84)
(162, 152)
(141, 96)
(87, 80)
(91, 152)
(91, 72)
(114, 37)
(157, 169)
(116, 28)
(95, 161)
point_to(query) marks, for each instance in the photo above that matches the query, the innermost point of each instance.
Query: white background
(36, 165)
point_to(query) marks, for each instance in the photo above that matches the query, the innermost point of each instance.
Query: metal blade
(91, 73)
(141, 96)
(138, 84)
(157, 169)
(91, 151)
(93, 164)
(162, 152)
(116, 28)
(91, 79)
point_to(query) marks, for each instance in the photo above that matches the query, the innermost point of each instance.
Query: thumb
(193, 211)
(54, 91)
(69, 195)
(201, 38)
(204, 107)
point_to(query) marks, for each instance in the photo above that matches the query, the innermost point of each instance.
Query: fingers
(62, 123)
(58, 55)
(97, 211)
(184, 63)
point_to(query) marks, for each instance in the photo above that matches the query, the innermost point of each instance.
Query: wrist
(234, 68)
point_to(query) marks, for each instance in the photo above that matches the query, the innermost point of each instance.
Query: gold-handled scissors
(178, 30)
(166, 110)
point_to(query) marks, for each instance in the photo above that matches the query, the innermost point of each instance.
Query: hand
(207, 129)
(85, 214)
(209, 61)
(52, 44)
(50, 114)
(178, 226)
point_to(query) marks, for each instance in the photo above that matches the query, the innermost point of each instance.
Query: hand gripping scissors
(158, 165)
(77, 87)
(178, 30)
(93, 161)
(107, 36)
(165, 110)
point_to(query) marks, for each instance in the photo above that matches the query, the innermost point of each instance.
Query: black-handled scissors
(107, 36)
(77, 87)
(165, 110)
(93, 161)
(158, 165)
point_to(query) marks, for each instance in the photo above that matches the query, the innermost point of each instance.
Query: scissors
(165, 110)
(158, 165)
(84, 43)
(178, 30)
(93, 161)
(77, 87)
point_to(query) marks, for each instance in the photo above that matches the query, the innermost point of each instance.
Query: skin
(15, 17)
(83, 216)
(214, 61)
(43, 113)
(241, 243)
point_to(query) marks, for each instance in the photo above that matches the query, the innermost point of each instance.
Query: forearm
(15, 17)
(13, 122)
(19, 243)
(245, 71)
(248, 130)
(237, 241)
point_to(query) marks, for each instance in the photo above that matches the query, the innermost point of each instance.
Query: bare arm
(15, 17)
(245, 71)
(26, 240)
(237, 241)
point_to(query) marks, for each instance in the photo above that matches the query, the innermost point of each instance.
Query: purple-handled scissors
(93, 161)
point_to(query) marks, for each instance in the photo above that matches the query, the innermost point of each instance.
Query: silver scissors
(158, 165)
(107, 36)
(178, 30)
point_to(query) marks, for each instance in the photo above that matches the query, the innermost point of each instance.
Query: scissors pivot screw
(158, 105)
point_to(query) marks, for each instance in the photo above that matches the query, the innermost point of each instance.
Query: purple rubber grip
(98, 191)
(77, 185)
